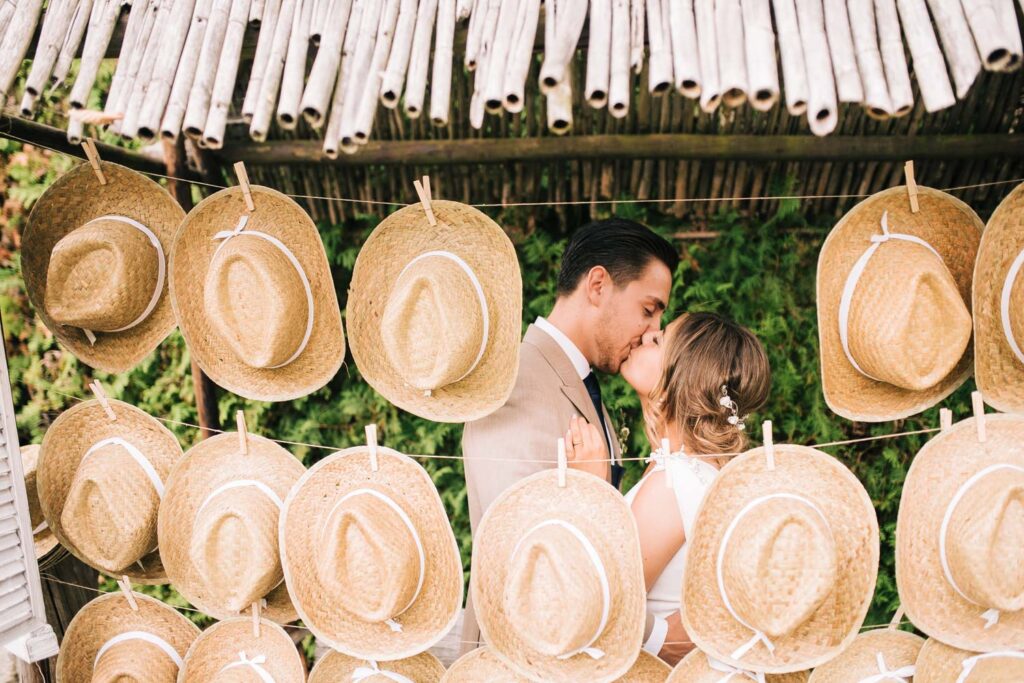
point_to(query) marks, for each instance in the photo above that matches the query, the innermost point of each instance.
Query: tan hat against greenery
(108, 642)
(557, 579)
(960, 537)
(697, 667)
(229, 652)
(781, 566)
(369, 556)
(219, 525)
(94, 258)
(894, 304)
(940, 663)
(434, 312)
(335, 666)
(100, 482)
(876, 656)
(999, 307)
(254, 297)
(42, 536)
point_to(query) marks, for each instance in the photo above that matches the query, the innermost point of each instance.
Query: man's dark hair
(622, 246)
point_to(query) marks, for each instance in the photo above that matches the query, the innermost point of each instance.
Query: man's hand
(677, 642)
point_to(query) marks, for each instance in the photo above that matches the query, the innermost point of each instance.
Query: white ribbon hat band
(902, 675)
(243, 483)
(970, 662)
(255, 663)
(144, 636)
(732, 673)
(1004, 306)
(136, 455)
(363, 672)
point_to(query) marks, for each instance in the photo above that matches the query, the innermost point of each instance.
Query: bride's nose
(651, 338)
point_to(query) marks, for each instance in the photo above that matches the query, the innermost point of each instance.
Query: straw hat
(42, 536)
(94, 258)
(435, 312)
(999, 307)
(369, 556)
(557, 579)
(940, 663)
(696, 667)
(254, 296)
(100, 482)
(229, 652)
(781, 567)
(647, 669)
(884, 655)
(900, 282)
(959, 541)
(335, 666)
(481, 664)
(218, 525)
(108, 642)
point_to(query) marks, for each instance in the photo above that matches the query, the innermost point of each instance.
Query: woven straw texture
(72, 201)
(951, 228)
(647, 669)
(694, 668)
(481, 243)
(995, 515)
(940, 663)
(236, 546)
(109, 497)
(481, 664)
(603, 516)
(193, 250)
(221, 644)
(335, 666)
(304, 555)
(781, 578)
(44, 541)
(110, 615)
(1000, 375)
(860, 660)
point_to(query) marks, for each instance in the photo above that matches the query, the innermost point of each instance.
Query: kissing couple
(696, 380)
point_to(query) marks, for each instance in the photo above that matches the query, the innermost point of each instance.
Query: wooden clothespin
(243, 182)
(563, 463)
(945, 418)
(897, 618)
(371, 444)
(101, 396)
(666, 449)
(126, 587)
(256, 618)
(979, 414)
(423, 192)
(908, 171)
(243, 433)
(93, 155)
(769, 444)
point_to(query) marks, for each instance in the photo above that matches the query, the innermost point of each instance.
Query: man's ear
(597, 284)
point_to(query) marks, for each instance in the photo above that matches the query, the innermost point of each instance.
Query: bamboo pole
(72, 41)
(97, 38)
(710, 88)
(185, 71)
(363, 53)
(267, 21)
(419, 58)
(844, 60)
(317, 18)
(821, 105)
(7, 9)
(659, 60)
(476, 102)
(498, 55)
(877, 103)
(137, 57)
(521, 56)
(1008, 20)
(129, 125)
(463, 9)
(473, 33)
(258, 12)
(685, 58)
(56, 23)
(732, 66)
(762, 69)
(929, 66)
(164, 69)
(444, 51)
(890, 43)
(568, 24)
(957, 43)
(270, 83)
(324, 74)
(295, 66)
(198, 107)
(636, 34)
(619, 80)
(791, 51)
(227, 71)
(398, 60)
(343, 87)
(371, 94)
(136, 21)
(559, 106)
(992, 35)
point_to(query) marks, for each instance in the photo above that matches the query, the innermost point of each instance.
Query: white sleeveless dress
(690, 478)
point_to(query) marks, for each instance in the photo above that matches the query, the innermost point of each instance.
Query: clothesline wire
(577, 202)
(53, 579)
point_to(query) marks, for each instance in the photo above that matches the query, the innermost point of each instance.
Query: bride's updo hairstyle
(715, 374)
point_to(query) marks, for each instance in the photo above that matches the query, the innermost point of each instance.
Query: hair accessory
(734, 419)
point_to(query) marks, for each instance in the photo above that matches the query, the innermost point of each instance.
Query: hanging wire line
(577, 202)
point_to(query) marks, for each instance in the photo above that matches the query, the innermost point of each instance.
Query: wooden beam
(655, 146)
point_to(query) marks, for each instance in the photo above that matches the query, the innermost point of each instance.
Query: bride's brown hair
(704, 352)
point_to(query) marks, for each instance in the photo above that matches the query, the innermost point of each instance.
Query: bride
(697, 381)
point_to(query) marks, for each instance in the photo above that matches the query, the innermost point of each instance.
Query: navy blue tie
(594, 389)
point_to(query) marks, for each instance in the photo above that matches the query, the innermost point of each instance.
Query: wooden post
(206, 397)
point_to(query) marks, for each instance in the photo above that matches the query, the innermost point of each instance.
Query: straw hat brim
(205, 467)
(335, 666)
(938, 470)
(277, 215)
(483, 245)
(480, 664)
(941, 663)
(602, 514)
(44, 541)
(220, 644)
(694, 668)
(109, 615)
(647, 669)
(851, 516)
(998, 372)
(433, 613)
(66, 442)
(952, 229)
(73, 200)
(859, 661)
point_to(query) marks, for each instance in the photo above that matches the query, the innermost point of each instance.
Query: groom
(613, 288)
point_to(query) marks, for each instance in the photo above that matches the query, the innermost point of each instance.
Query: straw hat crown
(231, 651)
(941, 663)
